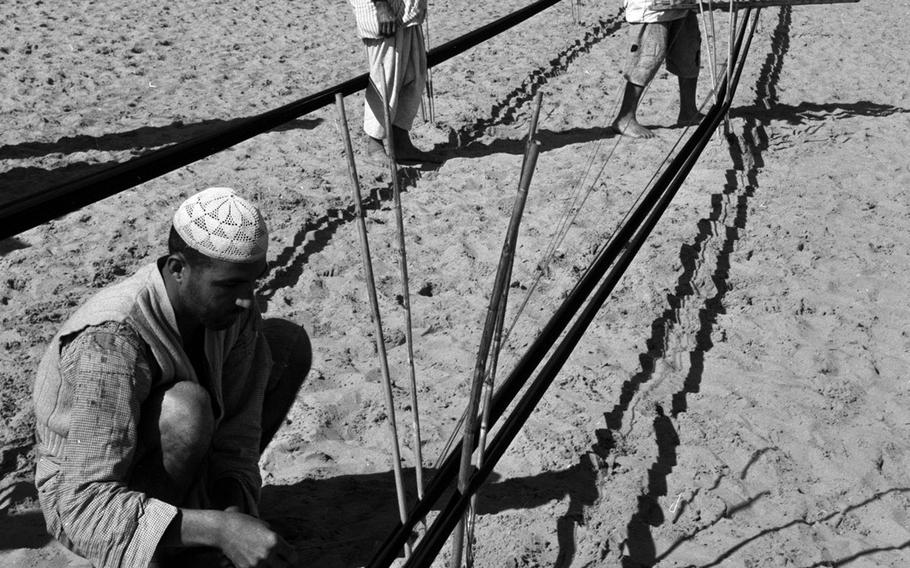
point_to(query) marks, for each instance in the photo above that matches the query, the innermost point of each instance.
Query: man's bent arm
(245, 540)
(107, 372)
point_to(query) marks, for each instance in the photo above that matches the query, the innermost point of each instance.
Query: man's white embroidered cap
(222, 225)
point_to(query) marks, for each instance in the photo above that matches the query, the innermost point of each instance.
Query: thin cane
(711, 61)
(405, 288)
(729, 94)
(374, 305)
(431, 100)
(531, 154)
(471, 420)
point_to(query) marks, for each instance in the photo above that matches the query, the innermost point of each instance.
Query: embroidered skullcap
(222, 225)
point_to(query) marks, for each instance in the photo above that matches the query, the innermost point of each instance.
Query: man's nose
(245, 303)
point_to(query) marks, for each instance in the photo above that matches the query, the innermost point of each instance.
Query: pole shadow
(342, 521)
(144, 137)
(641, 546)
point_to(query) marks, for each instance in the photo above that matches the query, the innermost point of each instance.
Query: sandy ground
(741, 400)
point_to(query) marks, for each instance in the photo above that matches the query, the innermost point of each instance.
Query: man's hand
(388, 23)
(248, 542)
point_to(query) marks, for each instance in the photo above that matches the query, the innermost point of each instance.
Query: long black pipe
(670, 182)
(33, 210)
(679, 167)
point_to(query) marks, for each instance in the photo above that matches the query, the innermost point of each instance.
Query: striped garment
(408, 12)
(640, 12)
(399, 62)
(89, 391)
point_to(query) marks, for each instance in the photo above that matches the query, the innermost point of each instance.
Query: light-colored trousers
(402, 60)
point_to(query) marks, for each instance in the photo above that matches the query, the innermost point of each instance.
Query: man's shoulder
(107, 337)
(115, 301)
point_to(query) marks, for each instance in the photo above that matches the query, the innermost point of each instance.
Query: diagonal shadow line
(729, 552)
(640, 542)
(868, 552)
(505, 111)
(310, 515)
(549, 140)
(144, 137)
(691, 258)
(19, 182)
(806, 111)
(754, 458)
(715, 305)
(288, 267)
(742, 506)
(9, 245)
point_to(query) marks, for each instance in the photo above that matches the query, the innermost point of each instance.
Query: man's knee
(184, 418)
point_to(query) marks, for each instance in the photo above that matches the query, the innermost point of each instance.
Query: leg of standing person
(626, 121)
(648, 51)
(684, 61)
(400, 62)
(413, 84)
(384, 70)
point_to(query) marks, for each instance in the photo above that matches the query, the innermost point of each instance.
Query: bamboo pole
(471, 418)
(532, 128)
(405, 287)
(431, 97)
(374, 305)
(729, 94)
(486, 396)
(710, 48)
(532, 149)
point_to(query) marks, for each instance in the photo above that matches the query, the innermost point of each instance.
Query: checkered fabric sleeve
(107, 372)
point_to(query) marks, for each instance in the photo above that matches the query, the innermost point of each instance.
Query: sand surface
(742, 398)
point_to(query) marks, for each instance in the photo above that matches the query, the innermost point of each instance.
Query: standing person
(397, 56)
(156, 397)
(657, 36)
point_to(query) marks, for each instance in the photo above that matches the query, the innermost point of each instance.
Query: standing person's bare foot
(629, 126)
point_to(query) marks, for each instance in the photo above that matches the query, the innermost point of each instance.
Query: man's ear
(176, 265)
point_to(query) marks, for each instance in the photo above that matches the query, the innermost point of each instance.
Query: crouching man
(155, 399)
